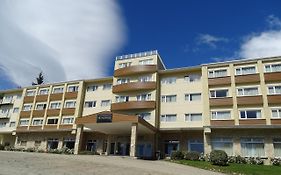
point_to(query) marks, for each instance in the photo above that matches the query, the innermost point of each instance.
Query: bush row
(219, 157)
(54, 151)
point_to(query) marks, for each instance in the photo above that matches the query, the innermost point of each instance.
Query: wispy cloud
(273, 21)
(66, 39)
(210, 40)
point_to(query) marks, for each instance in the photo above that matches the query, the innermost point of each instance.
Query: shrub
(231, 159)
(88, 153)
(2, 147)
(40, 151)
(55, 151)
(177, 155)
(254, 161)
(240, 159)
(9, 148)
(192, 155)
(218, 157)
(275, 161)
(30, 150)
(202, 157)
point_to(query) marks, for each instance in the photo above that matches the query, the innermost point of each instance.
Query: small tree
(39, 79)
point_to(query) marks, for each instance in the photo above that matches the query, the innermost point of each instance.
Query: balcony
(275, 121)
(68, 111)
(272, 77)
(252, 122)
(134, 86)
(219, 81)
(66, 127)
(35, 128)
(249, 100)
(53, 112)
(5, 115)
(41, 98)
(28, 99)
(6, 102)
(216, 102)
(56, 97)
(274, 99)
(71, 95)
(133, 105)
(50, 127)
(222, 123)
(246, 79)
(38, 113)
(133, 70)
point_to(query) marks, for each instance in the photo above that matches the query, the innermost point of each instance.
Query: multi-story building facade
(143, 108)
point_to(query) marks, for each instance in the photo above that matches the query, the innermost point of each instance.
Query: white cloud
(66, 39)
(264, 44)
(210, 40)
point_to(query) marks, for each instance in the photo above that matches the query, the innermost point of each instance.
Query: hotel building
(144, 108)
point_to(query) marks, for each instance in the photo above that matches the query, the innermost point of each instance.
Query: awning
(114, 123)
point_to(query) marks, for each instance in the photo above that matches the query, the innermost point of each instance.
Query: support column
(134, 135)
(78, 139)
(108, 145)
(207, 141)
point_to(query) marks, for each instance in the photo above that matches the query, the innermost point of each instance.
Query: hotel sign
(104, 118)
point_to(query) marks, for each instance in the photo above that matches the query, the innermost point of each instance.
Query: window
(8, 99)
(170, 146)
(145, 78)
(221, 115)
(55, 105)
(193, 117)
(192, 78)
(70, 104)
(123, 80)
(272, 90)
(252, 147)
(275, 113)
(127, 64)
(222, 143)
(3, 124)
(69, 143)
(24, 122)
(5, 111)
(37, 121)
(27, 107)
(105, 103)
(169, 80)
(107, 86)
(195, 145)
(245, 70)
(144, 97)
(52, 121)
(16, 110)
(12, 124)
(90, 104)
(251, 91)
(67, 120)
(169, 118)
(52, 143)
(217, 73)
(57, 90)
(277, 147)
(18, 96)
(145, 62)
(193, 97)
(273, 68)
(169, 98)
(144, 115)
(43, 91)
(248, 114)
(73, 88)
(30, 92)
(92, 88)
(41, 106)
(120, 99)
(219, 93)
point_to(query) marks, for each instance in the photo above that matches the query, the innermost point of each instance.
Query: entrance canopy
(114, 123)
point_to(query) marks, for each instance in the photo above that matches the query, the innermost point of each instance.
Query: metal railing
(136, 55)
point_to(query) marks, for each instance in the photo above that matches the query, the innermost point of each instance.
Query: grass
(234, 168)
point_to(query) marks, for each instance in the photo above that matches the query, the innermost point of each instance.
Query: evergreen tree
(39, 79)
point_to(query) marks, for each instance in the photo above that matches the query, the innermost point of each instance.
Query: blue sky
(186, 33)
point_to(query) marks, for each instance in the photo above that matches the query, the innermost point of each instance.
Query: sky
(70, 39)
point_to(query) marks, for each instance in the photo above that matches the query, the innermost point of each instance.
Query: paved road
(19, 163)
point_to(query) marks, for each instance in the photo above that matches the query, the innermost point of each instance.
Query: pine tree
(39, 79)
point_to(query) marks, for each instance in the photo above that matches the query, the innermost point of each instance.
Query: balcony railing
(133, 105)
(133, 70)
(134, 86)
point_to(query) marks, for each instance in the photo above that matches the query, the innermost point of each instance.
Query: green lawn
(234, 168)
